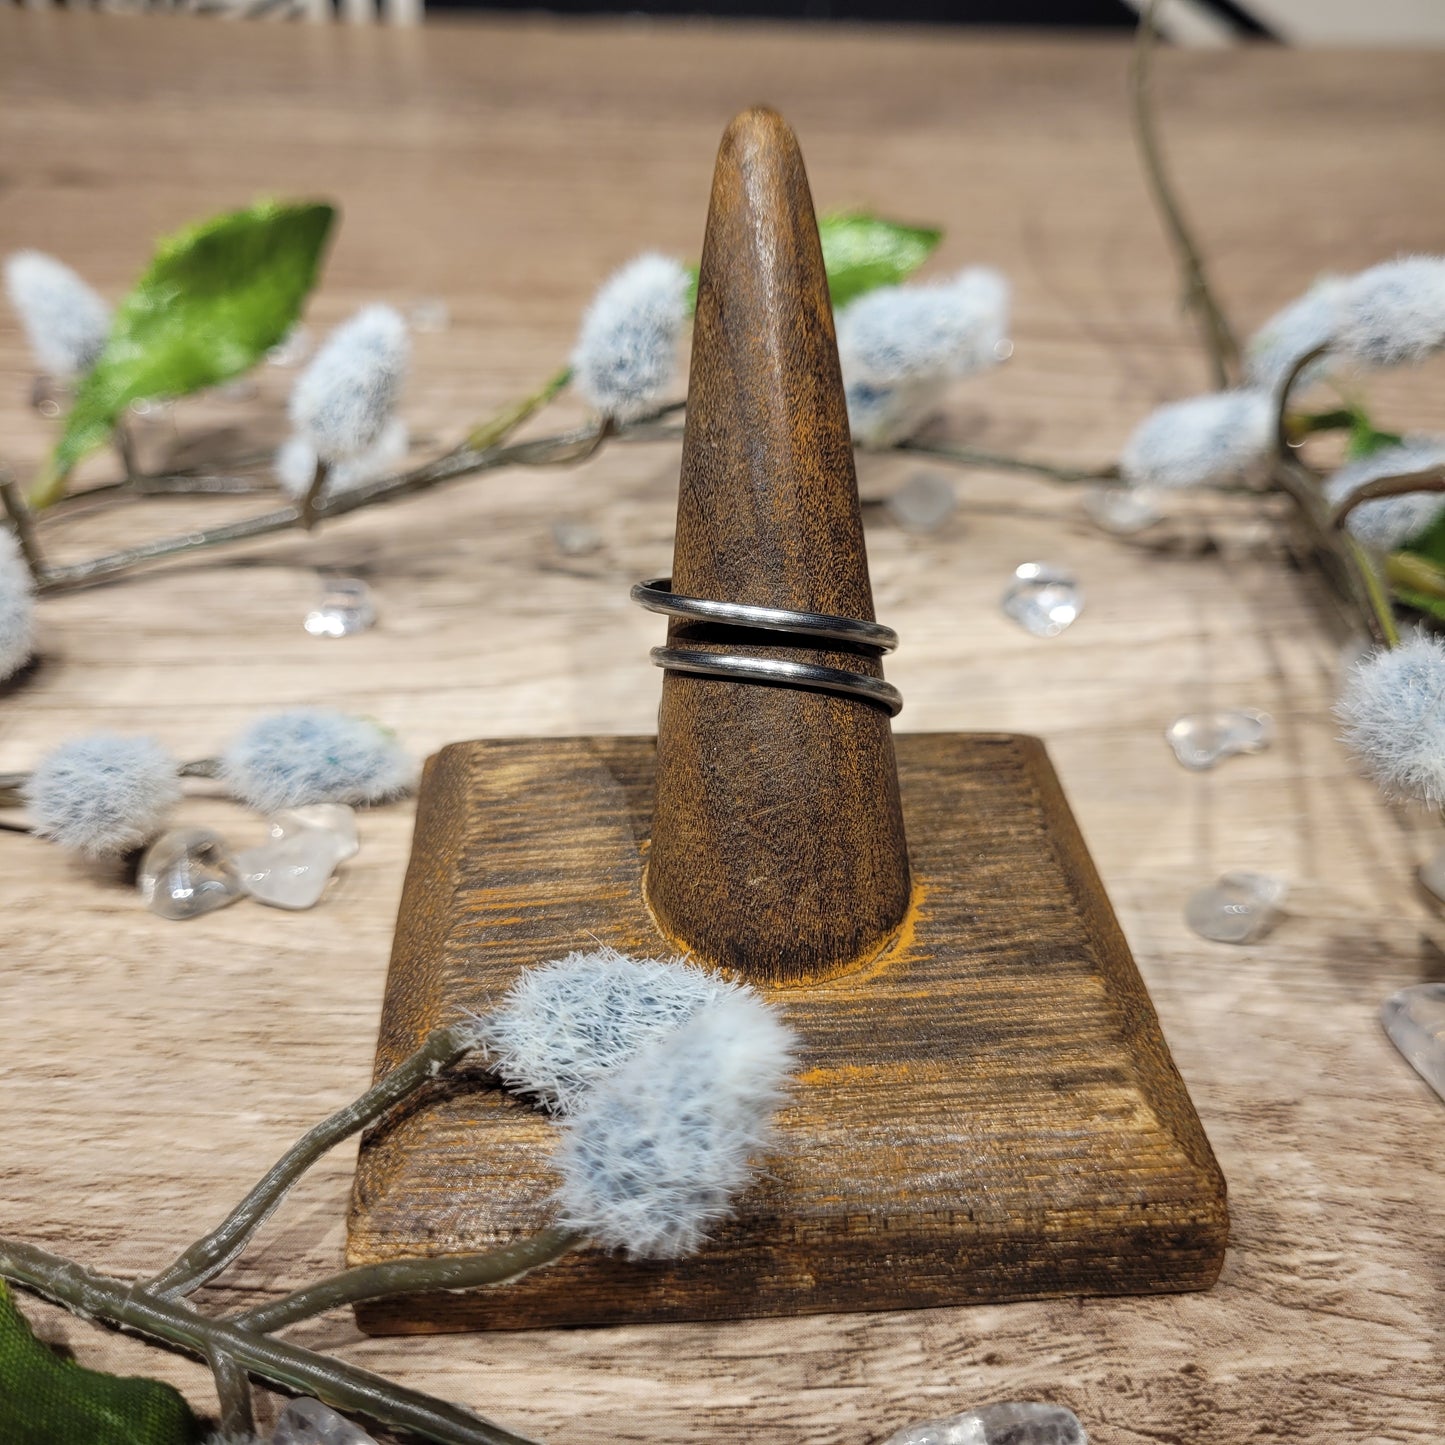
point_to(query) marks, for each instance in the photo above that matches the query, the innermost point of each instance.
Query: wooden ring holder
(987, 1108)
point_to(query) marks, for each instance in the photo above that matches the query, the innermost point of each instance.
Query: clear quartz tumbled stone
(1014, 1422)
(431, 314)
(291, 871)
(1414, 1018)
(1042, 599)
(346, 607)
(923, 503)
(1239, 908)
(187, 872)
(309, 1422)
(335, 820)
(1202, 740)
(575, 539)
(1122, 511)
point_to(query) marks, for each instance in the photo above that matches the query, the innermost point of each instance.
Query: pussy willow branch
(176, 1323)
(1400, 484)
(567, 449)
(998, 461)
(1219, 339)
(1357, 569)
(394, 1277)
(212, 1253)
(233, 1394)
(23, 525)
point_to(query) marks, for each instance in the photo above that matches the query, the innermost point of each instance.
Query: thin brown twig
(394, 1277)
(312, 500)
(175, 1322)
(1219, 338)
(22, 521)
(998, 461)
(1426, 479)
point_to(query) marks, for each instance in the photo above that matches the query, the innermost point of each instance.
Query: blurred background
(1186, 22)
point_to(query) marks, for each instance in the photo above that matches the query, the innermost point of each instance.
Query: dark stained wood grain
(778, 846)
(987, 1112)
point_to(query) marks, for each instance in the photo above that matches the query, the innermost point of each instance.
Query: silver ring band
(741, 668)
(656, 595)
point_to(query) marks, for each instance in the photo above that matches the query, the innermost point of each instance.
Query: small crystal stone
(1042, 599)
(433, 314)
(923, 503)
(333, 820)
(1015, 1422)
(1239, 908)
(187, 872)
(309, 1422)
(575, 539)
(1120, 510)
(1414, 1018)
(292, 350)
(346, 607)
(1202, 740)
(291, 871)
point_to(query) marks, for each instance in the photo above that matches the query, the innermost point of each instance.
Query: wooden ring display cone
(987, 1108)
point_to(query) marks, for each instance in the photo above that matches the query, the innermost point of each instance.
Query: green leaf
(46, 1399)
(215, 299)
(1366, 440)
(861, 253)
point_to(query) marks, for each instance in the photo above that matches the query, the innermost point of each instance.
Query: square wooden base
(988, 1111)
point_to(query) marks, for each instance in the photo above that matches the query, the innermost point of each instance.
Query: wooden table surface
(152, 1069)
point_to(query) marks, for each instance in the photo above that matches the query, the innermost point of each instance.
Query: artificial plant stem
(211, 1254)
(412, 1276)
(500, 427)
(1426, 479)
(1358, 571)
(312, 500)
(23, 523)
(233, 1394)
(998, 461)
(566, 449)
(120, 437)
(174, 1322)
(1219, 338)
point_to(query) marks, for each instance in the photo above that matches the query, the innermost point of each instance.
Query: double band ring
(656, 595)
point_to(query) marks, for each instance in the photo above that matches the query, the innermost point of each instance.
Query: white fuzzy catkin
(1307, 323)
(564, 1026)
(1393, 314)
(1391, 521)
(344, 399)
(295, 464)
(103, 794)
(1226, 438)
(878, 416)
(944, 329)
(315, 755)
(65, 321)
(17, 607)
(1393, 711)
(658, 1150)
(626, 350)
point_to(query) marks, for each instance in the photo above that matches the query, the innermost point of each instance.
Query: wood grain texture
(987, 1111)
(153, 1070)
(778, 846)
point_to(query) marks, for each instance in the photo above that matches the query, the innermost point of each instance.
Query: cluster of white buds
(104, 794)
(901, 346)
(667, 1080)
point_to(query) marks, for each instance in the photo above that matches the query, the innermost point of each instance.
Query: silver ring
(656, 595)
(741, 668)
